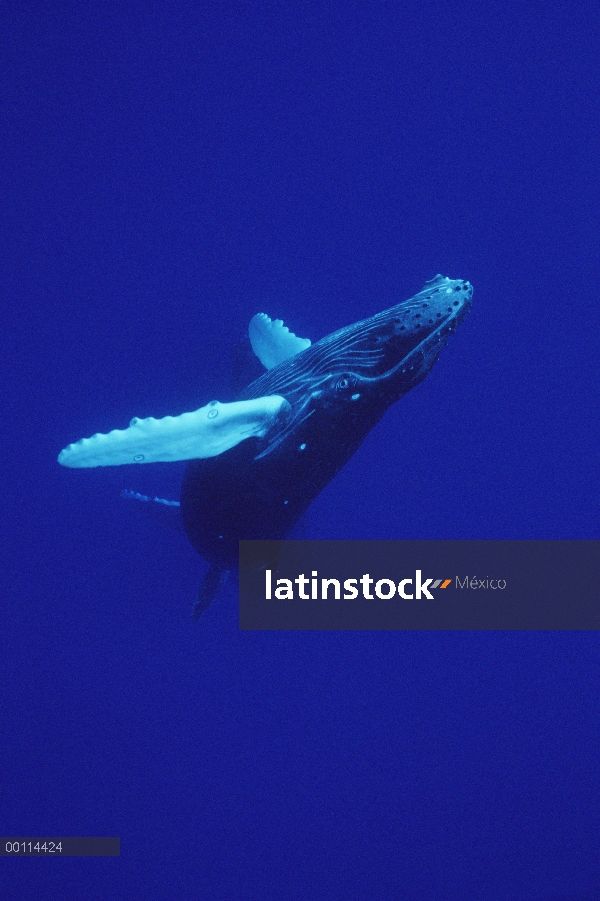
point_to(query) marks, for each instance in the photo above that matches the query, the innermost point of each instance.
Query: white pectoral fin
(204, 433)
(272, 341)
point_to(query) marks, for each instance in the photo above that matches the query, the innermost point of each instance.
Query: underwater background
(168, 171)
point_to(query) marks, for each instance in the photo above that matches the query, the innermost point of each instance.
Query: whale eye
(343, 383)
(139, 458)
(212, 413)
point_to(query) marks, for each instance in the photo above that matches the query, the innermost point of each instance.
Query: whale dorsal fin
(272, 341)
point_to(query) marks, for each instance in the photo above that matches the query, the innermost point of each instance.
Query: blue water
(168, 170)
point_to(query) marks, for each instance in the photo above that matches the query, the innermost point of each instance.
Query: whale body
(292, 429)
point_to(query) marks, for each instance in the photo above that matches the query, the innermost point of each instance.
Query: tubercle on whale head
(440, 303)
(421, 328)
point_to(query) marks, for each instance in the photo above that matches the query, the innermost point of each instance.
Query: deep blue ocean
(167, 171)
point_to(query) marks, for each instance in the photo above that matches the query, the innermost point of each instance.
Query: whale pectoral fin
(207, 432)
(272, 341)
(167, 512)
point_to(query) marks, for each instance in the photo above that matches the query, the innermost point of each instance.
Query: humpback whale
(256, 465)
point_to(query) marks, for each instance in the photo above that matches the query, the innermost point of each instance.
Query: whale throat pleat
(206, 432)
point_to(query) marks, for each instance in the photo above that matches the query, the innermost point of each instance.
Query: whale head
(393, 351)
(368, 365)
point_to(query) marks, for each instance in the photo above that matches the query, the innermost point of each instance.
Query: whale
(256, 464)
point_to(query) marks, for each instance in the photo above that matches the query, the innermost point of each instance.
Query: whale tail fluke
(214, 580)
